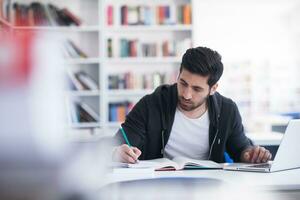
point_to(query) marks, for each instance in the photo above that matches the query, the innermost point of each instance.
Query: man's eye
(197, 90)
(184, 84)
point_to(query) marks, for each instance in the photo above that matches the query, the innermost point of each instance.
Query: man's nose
(187, 94)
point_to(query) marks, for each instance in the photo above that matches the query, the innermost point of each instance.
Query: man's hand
(256, 154)
(126, 154)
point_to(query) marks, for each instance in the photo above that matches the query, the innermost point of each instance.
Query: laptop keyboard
(263, 165)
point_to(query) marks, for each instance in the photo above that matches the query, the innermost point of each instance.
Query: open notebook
(177, 163)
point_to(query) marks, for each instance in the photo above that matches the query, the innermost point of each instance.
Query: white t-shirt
(189, 137)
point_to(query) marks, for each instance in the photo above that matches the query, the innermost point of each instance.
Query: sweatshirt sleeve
(135, 125)
(237, 140)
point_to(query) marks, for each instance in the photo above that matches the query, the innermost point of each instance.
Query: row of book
(38, 14)
(130, 80)
(71, 50)
(151, 15)
(80, 80)
(119, 110)
(138, 48)
(82, 112)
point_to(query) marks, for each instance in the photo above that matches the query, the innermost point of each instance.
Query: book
(88, 82)
(177, 163)
(110, 15)
(89, 110)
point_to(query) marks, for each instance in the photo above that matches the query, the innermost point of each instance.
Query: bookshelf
(154, 35)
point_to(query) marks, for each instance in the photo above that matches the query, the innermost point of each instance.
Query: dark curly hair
(203, 61)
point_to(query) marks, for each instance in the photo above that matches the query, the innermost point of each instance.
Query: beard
(188, 105)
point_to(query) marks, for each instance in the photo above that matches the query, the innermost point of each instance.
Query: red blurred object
(16, 57)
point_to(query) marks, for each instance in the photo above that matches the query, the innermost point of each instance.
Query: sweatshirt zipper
(163, 142)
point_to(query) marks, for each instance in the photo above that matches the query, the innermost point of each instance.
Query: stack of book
(119, 110)
(138, 48)
(152, 15)
(82, 81)
(39, 14)
(82, 112)
(71, 50)
(130, 80)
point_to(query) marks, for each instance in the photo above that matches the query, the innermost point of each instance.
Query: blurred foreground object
(36, 162)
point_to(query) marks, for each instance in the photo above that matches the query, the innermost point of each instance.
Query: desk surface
(283, 180)
(203, 184)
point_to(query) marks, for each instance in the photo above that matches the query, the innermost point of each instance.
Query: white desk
(284, 184)
(285, 180)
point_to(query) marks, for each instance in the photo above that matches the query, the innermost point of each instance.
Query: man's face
(193, 90)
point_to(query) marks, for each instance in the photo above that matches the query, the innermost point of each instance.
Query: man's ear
(213, 89)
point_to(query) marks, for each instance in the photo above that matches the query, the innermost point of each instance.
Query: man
(188, 118)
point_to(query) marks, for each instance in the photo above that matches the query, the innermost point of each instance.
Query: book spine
(187, 14)
(90, 111)
(124, 15)
(72, 18)
(110, 15)
(119, 110)
(87, 80)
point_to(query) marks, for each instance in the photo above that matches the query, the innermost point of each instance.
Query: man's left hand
(256, 154)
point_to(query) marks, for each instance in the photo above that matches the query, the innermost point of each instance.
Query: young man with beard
(189, 118)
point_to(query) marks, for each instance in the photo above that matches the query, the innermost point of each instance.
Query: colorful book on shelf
(90, 111)
(129, 80)
(82, 112)
(137, 48)
(40, 14)
(52, 21)
(109, 48)
(179, 14)
(177, 163)
(119, 110)
(75, 82)
(54, 13)
(187, 18)
(132, 15)
(87, 81)
(71, 17)
(110, 15)
(124, 15)
(148, 16)
(73, 51)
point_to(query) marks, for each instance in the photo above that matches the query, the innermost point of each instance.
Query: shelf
(145, 60)
(59, 28)
(85, 125)
(113, 124)
(84, 93)
(129, 92)
(5, 23)
(74, 61)
(157, 28)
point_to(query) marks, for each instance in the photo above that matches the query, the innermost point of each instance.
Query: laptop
(287, 156)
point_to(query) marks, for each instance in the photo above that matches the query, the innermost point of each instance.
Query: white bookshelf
(92, 37)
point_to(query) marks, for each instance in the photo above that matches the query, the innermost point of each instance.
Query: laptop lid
(286, 156)
(288, 152)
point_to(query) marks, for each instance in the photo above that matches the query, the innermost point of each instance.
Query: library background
(117, 51)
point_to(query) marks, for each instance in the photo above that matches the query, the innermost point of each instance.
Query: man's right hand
(126, 154)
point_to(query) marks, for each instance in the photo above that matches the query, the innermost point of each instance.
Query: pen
(126, 139)
(125, 136)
